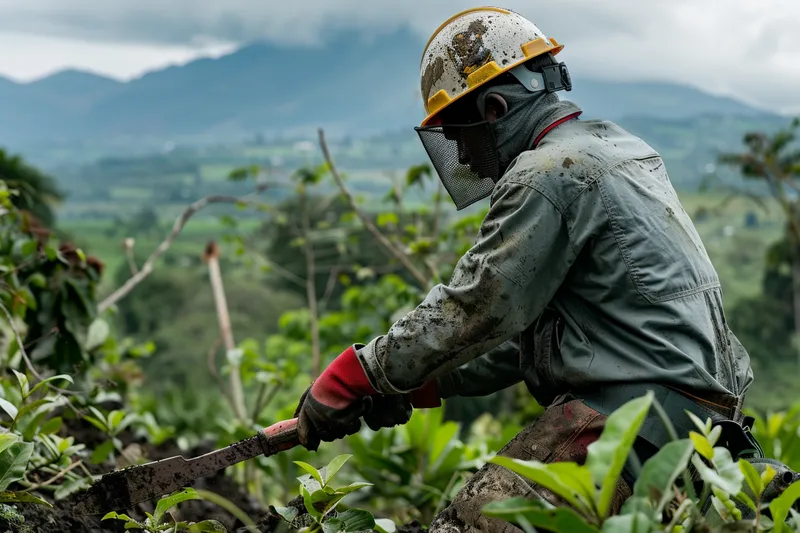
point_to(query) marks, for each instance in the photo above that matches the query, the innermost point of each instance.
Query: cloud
(735, 47)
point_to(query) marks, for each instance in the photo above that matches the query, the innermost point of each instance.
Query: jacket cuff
(449, 384)
(374, 371)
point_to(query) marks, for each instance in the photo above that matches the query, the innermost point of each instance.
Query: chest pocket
(662, 250)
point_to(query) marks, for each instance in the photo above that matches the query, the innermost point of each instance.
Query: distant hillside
(351, 85)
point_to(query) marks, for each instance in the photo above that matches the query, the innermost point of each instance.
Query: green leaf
(29, 247)
(607, 456)
(9, 408)
(313, 472)
(702, 445)
(102, 452)
(115, 418)
(165, 504)
(32, 406)
(385, 525)
(356, 520)
(630, 523)
(118, 516)
(6, 440)
(97, 334)
(559, 519)
(334, 466)
(727, 475)
(352, 487)
(71, 486)
(13, 463)
(660, 472)
(51, 426)
(64, 377)
(702, 426)
(385, 219)
(747, 500)
(539, 473)
(780, 506)
(22, 497)
(287, 513)
(308, 501)
(752, 477)
(22, 379)
(441, 438)
(211, 526)
(577, 477)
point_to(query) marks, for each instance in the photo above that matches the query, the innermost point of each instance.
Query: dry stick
(329, 287)
(148, 265)
(399, 254)
(311, 288)
(127, 244)
(212, 367)
(55, 478)
(211, 256)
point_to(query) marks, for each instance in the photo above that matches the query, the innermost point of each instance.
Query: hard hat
(472, 48)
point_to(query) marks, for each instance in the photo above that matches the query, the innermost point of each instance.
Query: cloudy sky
(745, 48)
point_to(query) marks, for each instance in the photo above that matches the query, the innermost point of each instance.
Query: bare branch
(398, 254)
(127, 245)
(329, 287)
(210, 360)
(285, 273)
(311, 286)
(211, 256)
(180, 222)
(55, 478)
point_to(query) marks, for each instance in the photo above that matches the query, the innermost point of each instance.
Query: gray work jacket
(586, 272)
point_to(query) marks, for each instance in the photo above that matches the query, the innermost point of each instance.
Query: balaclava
(529, 113)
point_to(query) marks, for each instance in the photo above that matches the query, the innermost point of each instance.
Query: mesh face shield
(465, 158)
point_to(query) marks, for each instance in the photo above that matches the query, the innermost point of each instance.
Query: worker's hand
(386, 411)
(389, 410)
(332, 407)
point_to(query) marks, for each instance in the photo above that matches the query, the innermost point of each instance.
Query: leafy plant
(660, 502)
(321, 499)
(158, 521)
(112, 424)
(416, 468)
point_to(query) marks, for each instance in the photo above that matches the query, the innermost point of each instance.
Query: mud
(60, 519)
(469, 48)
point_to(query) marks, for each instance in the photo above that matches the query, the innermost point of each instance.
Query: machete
(125, 488)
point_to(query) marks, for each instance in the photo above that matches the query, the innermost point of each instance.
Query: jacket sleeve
(493, 371)
(498, 288)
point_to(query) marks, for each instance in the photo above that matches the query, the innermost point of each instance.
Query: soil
(59, 519)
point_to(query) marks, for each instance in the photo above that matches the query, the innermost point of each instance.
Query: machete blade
(125, 488)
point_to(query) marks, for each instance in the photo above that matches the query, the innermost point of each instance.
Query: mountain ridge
(349, 86)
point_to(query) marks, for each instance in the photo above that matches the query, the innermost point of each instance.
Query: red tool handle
(279, 437)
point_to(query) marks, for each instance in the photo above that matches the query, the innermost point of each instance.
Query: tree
(775, 160)
(36, 192)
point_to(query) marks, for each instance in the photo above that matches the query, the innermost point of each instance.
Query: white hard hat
(474, 47)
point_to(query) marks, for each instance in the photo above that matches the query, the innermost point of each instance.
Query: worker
(587, 280)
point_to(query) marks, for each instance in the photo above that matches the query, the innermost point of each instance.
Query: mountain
(74, 89)
(352, 85)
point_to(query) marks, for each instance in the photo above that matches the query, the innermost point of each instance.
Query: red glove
(332, 406)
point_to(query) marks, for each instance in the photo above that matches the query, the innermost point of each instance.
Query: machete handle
(279, 437)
